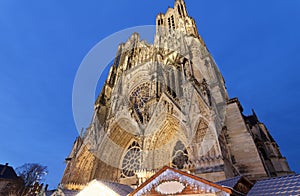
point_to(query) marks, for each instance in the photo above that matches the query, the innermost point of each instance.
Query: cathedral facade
(166, 104)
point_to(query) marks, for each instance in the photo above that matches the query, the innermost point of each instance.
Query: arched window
(178, 7)
(131, 161)
(182, 10)
(169, 23)
(180, 155)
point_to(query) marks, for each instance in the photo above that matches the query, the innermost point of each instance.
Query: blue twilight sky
(255, 43)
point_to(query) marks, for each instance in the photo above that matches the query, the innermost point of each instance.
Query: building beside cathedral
(166, 104)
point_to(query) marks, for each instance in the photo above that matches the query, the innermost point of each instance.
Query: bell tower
(176, 19)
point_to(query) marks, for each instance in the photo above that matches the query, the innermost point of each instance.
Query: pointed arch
(182, 9)
(178, 8)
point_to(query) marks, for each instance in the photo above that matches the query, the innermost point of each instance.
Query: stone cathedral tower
(166, 104)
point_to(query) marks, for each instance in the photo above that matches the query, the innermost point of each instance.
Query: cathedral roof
(285, 185)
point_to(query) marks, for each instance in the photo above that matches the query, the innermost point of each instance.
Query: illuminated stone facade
(166, 104)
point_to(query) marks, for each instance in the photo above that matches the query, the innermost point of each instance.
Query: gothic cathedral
(166, 104)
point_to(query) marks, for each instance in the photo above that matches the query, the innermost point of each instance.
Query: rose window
(131, 160)
(138, 98)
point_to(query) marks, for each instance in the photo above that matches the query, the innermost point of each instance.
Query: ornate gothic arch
(159, 145)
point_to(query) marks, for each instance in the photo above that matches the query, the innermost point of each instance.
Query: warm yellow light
(96, 188)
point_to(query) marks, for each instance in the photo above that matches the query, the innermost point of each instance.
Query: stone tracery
(131, 161)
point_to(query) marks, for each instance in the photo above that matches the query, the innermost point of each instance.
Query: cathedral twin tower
(166, 104)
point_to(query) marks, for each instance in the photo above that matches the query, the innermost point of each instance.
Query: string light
(171, 176)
